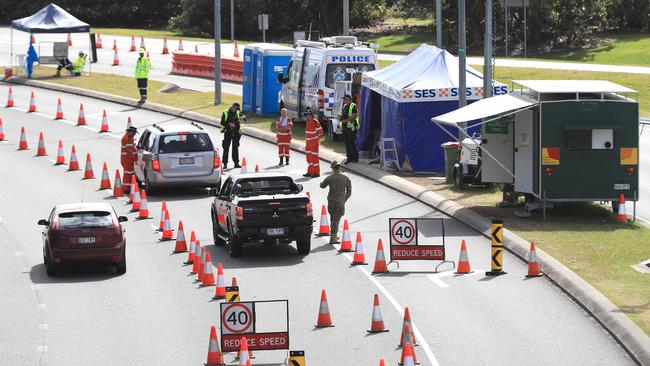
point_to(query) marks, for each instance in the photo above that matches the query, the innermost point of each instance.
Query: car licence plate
(87, 240)
(275, 231)
(621, 186)
(186, 161)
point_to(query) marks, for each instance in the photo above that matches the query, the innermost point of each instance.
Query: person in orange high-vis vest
(128, 156)
(313, 133)
(283, 127)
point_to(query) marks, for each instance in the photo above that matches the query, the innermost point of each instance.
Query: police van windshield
(337, 72)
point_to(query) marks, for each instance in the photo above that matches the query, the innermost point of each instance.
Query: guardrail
(194, 64)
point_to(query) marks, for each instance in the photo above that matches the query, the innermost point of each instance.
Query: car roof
(177, 128)
(84, 206)
(237, 177)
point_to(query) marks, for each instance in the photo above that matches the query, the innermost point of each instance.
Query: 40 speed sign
(405, 241)
(238, 318)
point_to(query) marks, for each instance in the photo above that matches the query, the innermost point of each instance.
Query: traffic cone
(105, 183)
(60, 158)
(81, 120)
(143, 214)
(207, 279)
(116, 58)
(233, 282)
(132, 49)
(181, 245)
(22, 145)
(236, 53)
(257, 168)
(534, 269)
(2, 131)
(74, 163)
(161, 225)
(407, 336)
(69, 40)
(59, 110)
(359, 257)
(463, 260)
(621, 216)
(408, 346)
(346, 243)
(220, 291)
(148, 58)
(167, 233)
(165, 50)
(380, 259)
(41, 146)
(324, 224)
(98, 42)
(88, 172)
(128, 122)
(118, 190)
(114, 44)
(244, 168)
(381, 362)
(10, 98)
(215, 358)
(142, 43)
(104, 123)
(197, 258)
(137, 199)
(377, 324)
(202, 257)
(180, 45)
(33, 39)
(324, 318)
(32, 103)
(190, 253)
(134, 182)
(243, 352)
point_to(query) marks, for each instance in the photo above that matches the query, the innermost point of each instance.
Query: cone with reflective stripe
(41, 146)
(88, 172)
(143, 214)
(380, 259)
(165, 50)
(148, 58)
(2, 131)
(207, 279)
(197, 258)
(10, 98)
(161, 225)
(116, 58)
(132, 49)
(22, 145)
(408, 352)
(244, 168)
(32, 103)
(81, 120)
(236, 53)
(128, 123)
(98, 43)
(199, 274)
(60, 158)
(233, 281)
(324, 228)
(215, 358)
(142, 43)
(190, 253)
(463, 260)
(377, 324)
(346, 243)
(167, 233)
(104, 123)
(407, 336)
(74, 163)
(534, 269)
(118, 190)
(359, 258)
(257, 168)
(180, 44)
(220, 291)
(243, 352)
(621, 215)
(137, 199)
(134, 182)
(324, 318)
(181, 245)
(106, 181)
(59, 110)
(69, 40)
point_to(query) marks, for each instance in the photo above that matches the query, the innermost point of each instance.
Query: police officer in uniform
(340, 191)
(231, 129)
(349, 121)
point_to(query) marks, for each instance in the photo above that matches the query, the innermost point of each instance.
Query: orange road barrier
(118, 190)
(143, 214)
(167, 233)
(215, 358)
(463, 260)
(197, 258)
(105, 183)
(380, 259)
(207, 279)
(181, 245)
(359, 257)
(41, 146)
(60, 157)
(324, 228)
(81, 120)
(220, 291)
(377, 324)
(195, 64)
(74, 163)
(32, 104)
(104, 127)
(10, 98)
(534, 269)
(22, 145)
(324, 318)
(88, 172)
(59, 110)
(190, 253)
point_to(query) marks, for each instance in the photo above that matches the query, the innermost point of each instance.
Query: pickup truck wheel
(215, 232)
(304, 245)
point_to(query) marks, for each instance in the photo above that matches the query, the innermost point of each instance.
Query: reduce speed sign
(237, 318)
(403, 232)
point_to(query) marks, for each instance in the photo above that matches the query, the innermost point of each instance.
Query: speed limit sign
(238, 318)
(403, 232)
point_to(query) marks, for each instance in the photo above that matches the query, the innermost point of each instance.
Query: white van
(315, 68)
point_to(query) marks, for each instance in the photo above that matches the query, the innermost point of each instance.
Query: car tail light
(629, 171)
(549, 171)
(217, 160)
(155, 165)
(321, 99)
(310, 211)
(240, 213)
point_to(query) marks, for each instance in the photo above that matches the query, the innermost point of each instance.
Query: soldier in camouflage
(340, 191)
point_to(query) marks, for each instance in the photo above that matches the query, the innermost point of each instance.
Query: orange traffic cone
(114, 44)
(104, 123)
(132, 49)
(407, 324)
(359, 257)
(148, 58)
(32, 103)
(215, 358)
(59, 110)
(142, 43)
(41, 146)
(10, 98)
(181, 245)
(381, 362)
(346, 243)
(98, 42)
(88, 172)
(257, 168)
(60, 158)
(380, 259)
(116, 58)
(69, 40)
(377, 324)
(143, 214)
(324, 224)
(22, 145)
(2, 131)
(128, 122)
(134, 182)
(463, 260)
(236, 53)
(33, 39)
(220, 291)
(118, 190)
(233, 281)
(324, 318)
(137, 199)
(180, 45)
(105, 183)
(167, 233)
(165, 50)
(161, 225)
(81, 120)
(190, 253)
(244, 167)
(408, 345)
(207, 279)
(199, 274)
(621, 215)
(534, 269)
(243, 352)
(197, 258)
(74, 163)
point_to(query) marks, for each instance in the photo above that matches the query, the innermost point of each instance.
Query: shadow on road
(73, 273)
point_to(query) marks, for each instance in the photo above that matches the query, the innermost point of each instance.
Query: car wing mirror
(300, 187)
(43, 222)
(122, 219)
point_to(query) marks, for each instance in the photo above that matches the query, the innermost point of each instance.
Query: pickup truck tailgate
(274, 212)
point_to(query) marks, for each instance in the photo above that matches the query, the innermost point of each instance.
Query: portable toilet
(271, 60)
(250, 77)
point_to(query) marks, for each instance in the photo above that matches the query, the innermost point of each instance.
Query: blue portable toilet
(271, 60)
(250, 77)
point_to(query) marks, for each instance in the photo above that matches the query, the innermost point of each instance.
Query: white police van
(313, 72)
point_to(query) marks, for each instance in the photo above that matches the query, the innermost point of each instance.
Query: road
(155, 313)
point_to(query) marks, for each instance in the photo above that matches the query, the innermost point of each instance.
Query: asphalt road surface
(156, 313)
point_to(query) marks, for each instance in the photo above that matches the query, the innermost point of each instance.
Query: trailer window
(337, 72)
(589, 139)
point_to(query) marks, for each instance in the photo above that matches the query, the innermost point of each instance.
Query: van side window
(287, 75)
(142, 143)
(295, 74)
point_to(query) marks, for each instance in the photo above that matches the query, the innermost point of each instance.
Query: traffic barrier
(137, 200)
(621, 216)
(132, 49)
(181, 245)
(324, 317)
(161, 225)
(104, 127)
(496, 263)
(98, 42)
(244, 167)
(165, 50)
(534, 269)
(116, 58)
(32, 104)
(207, 279)
(359, 257)
(74, 163)
(190, 253)
(197, 258)
(215, 358)
(41, 146)
(118, 190)
(407, 323)
(463, 260)
(59, 110)
(220, 291)
(167, 233)
(88, 171)
(377, 324)
(380, 259)
(69, 40)
(10, 98)
(408, 346)
(81, 120)
(22, 145)
(324, 228)
(346, 243)
(2, 131)
(105, 183)
(199, 274)
(143, 214)
(194, 64)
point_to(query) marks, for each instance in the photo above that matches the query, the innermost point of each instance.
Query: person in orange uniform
(283, 127)
(313, 133)
(129, 156)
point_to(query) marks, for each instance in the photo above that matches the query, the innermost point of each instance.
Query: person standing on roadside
(313, 133)
(128, 157)
(283, 128)
(340, 191)
(231, 129)
(142, 67)
(349, 120)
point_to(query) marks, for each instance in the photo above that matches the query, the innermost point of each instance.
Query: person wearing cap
(142, 67)
(231, 129)
(313, 133)
(340, 191)
(128, 156)
(75, 67)
(283, 127)
(349, 122)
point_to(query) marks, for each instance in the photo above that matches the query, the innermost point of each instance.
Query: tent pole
(462, 54)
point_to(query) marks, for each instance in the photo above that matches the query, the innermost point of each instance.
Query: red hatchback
(83, 232)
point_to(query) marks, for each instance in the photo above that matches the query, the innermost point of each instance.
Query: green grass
(428, 21)
(160, 33)
(402, 43)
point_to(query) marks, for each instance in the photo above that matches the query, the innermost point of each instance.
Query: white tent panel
(485, 108)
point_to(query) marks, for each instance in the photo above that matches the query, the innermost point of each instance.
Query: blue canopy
(399, 101)
(51, 19)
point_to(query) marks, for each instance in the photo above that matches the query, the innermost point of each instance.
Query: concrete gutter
(624, 330)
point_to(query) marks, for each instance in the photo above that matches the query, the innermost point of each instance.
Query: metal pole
(462, 82)
(506, 21)
(487, 51)
(346, 17)
(263, 33)
(525, 29)
(232, 21)
(439, 23)
(217, 52)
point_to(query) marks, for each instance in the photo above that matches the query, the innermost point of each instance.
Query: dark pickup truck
(265, 208)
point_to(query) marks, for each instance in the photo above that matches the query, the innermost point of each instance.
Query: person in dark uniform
(231, 129)
(340, 191)
(349, 122)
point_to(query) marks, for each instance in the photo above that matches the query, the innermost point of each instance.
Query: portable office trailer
(559, 140)
(271, 61)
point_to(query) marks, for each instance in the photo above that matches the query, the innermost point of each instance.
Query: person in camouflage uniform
(340, 191)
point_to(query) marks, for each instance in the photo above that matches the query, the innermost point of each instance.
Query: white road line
(437, 277)
(438, 281)
(52, 160)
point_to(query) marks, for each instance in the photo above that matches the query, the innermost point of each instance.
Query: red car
(83, 232)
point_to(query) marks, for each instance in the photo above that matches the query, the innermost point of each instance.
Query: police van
(313, 72)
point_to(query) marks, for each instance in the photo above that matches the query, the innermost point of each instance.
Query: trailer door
(497, 151)
(524, 139)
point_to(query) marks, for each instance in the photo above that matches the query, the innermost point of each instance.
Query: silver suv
(177, 155)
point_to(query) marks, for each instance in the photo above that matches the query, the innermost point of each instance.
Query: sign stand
(405, 243)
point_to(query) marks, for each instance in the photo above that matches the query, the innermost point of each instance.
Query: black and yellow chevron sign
(232, 294)
(496, 264)
(296, 358)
